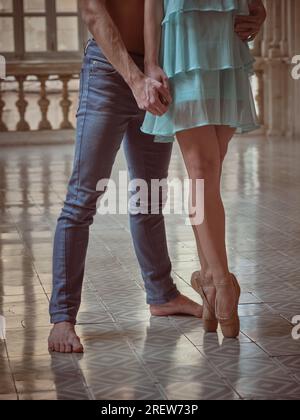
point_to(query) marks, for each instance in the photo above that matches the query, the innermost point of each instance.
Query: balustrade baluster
(3, 126)
(65, 103)
(22, 105)
(44, 104)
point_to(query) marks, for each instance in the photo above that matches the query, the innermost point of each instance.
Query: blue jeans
(108, 115)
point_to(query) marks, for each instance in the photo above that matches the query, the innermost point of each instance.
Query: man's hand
(152, 95)
(248, 27)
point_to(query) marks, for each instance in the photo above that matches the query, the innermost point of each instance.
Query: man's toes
(56, 347)
(62, 348)
(68, 348)
(51, 346)
(78, 349)
(77, 346)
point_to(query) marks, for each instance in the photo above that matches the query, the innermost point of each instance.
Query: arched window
(32, 29)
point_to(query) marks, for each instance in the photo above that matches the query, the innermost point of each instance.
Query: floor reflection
(128, 353)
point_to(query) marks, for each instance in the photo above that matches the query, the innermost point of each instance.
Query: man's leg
(150, 161)
(102, 121)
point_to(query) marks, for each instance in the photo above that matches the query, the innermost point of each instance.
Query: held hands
(248, 27)
(152, 91)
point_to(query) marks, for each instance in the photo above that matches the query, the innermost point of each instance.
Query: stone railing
(44, 75)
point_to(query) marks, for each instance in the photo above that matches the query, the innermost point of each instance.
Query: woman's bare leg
(205, 269)
(224, 134)
(201, 151)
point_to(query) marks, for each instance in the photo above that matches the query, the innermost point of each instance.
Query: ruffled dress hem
(209, 69)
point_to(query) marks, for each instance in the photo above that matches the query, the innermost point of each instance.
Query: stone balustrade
(277, 94)
(42, 74)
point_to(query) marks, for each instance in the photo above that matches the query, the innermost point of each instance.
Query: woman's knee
(201, 151)
(204, 167)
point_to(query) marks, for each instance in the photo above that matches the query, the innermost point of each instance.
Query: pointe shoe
(210, 322)
(230, 324)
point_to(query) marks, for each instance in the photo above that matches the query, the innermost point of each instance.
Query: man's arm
(153, 20)
(154, 13)
(108, 37)
(248, 27)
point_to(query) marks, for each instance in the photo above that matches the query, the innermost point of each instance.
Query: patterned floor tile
(231, 350)
(4, 367)
(100, 332)
(292, 363)
(8, 397)
(286, 309)
(95, 362)
(130, 355)
(45, 382)
(57, 395)
(94, 317)
(274, 296)
(6, 384)
(249, 387)
(283, 346)
(138, 391)
(204, 390)
(27, 342)
(248, 298)
(128, 374)
(254, 310)
(257, 367)
(200, 338)
(159, 342)
(43, 365)
(273, 397)
(183, 354)
(265, 327)
(167, 373)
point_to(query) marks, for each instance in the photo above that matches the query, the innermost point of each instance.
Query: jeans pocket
(101, 67)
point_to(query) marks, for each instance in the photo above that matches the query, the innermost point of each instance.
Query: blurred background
(43, 43)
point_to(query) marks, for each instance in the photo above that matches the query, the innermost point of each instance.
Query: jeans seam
(65, 268)
(82, 131)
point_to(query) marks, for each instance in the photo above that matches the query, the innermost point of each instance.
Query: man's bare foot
(63, 339)
(179, 306)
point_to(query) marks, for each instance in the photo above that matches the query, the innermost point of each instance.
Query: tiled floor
(128, 354)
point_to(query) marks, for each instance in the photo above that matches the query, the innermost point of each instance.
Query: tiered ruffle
(208, 66)
(240, 7)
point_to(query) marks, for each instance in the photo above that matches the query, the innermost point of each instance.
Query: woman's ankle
(222, 279)
(207, 277)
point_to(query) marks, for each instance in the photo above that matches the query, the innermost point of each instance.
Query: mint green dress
(209, 68)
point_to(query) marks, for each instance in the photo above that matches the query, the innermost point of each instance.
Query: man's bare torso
(129, 17)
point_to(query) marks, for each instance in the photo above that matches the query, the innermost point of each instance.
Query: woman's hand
(155, 72)
(248, 27)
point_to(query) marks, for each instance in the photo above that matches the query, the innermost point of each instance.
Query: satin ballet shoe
(208, 294)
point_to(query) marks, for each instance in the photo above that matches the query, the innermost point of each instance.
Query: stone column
(277, 68)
